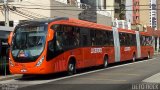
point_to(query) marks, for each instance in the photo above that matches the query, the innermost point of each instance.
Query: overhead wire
(80, 9)
(33, 13)
(20, 6)
(21, 15)
(54, 5)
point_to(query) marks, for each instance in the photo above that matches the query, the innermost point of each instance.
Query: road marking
(103, 79)
(153, 79)
(67, 77)
(125, 74)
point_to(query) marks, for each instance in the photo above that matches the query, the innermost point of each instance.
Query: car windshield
(28, 41)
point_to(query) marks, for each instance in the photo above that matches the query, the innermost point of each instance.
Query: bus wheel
(71, 68)
(105, 62)
(134, 58)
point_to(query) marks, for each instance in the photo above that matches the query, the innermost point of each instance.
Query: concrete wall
(104, 20)
(64, 10)
(109, 11)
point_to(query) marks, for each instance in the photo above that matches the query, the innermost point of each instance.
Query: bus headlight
(11, 63)
(40, 62)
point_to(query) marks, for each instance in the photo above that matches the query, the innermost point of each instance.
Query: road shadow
(64, 74)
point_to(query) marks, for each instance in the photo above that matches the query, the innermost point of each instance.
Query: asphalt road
(121, 76)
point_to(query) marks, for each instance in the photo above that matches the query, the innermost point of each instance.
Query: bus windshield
(28, 42)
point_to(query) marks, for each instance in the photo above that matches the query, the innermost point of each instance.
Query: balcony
(137, 7)
(137, 14)
(136, 0)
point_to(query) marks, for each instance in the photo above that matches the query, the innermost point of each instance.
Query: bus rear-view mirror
(10, 38)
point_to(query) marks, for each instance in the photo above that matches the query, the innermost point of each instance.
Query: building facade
(144, 12)
(158, 14)
(153, 14)
(21, 10)
(133, 11)
(136, 19)
(158, 25)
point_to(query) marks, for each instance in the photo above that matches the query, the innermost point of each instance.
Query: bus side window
(76, 34)
(111, 41)
(92, 36)
(51, 46)
(127, 40)
(122, 39)
(134, 41)
(85, 39)
(58, 41)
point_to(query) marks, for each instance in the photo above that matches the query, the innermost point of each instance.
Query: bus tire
(134, 57)
(71, 68)
(105, 62)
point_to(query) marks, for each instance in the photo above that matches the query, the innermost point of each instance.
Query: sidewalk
(156, 53)
(7, 77)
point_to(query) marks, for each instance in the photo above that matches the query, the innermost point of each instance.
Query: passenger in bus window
(93, 41)
(76, 37)
(65, 37)
(59, 40)
(143, 40)
(151, 40)
(41, 40)
(99, 37)
(147, 41)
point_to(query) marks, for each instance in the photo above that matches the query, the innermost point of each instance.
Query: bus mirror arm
(10, 38)
(50, 35)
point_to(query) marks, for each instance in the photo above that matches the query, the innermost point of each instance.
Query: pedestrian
(0, 49)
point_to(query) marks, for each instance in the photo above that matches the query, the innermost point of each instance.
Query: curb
(8, 77)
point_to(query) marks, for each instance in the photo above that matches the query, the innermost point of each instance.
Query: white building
(129, 11)
(153, 14)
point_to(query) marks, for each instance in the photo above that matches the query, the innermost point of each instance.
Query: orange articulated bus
(64, 44)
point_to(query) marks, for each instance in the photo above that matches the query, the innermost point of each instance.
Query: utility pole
(6, 10)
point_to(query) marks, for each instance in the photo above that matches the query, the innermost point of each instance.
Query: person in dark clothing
(0, 48)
